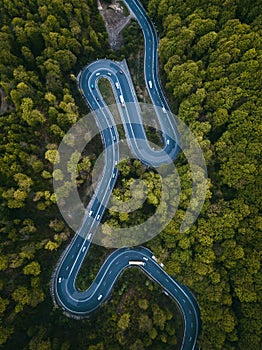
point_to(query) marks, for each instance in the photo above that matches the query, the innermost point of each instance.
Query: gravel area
(115, 19)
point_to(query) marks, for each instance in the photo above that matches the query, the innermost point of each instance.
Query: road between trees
(64, 291)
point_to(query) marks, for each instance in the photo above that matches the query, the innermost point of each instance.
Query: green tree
(32, 269)
(123, 322)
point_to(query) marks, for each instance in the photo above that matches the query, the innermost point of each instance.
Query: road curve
(63, 289)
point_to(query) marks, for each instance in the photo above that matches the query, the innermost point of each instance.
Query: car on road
(97, 98)
(83, 249)
(117, 85)
(100, 297)
(98, 217)
(59, 280)
(145, 258)
(122, 100)
(121, 72)
(89, 236)
(97, 74)
(108, 73)
(167, 141)
(90, 213)
(92, 86)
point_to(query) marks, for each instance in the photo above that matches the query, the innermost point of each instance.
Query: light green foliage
(143, 304)
(123, 322)
(52, 156)
(212, 62)
(32, 269)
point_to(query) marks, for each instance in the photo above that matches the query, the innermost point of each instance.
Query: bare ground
(3, 105)
(115, 19)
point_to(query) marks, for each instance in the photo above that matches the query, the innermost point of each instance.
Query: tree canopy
(210, 58)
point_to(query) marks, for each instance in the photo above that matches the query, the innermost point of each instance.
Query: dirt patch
(3, 105)
(116, 18)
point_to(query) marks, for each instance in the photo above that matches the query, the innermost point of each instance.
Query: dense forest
(210, 58)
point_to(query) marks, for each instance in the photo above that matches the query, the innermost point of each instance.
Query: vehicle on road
(97, 74)
(120, 71)
(98, 217)
(90, 213)
(150, 84)
(100, 297)
(113, 133)
(117, 85)
(108, 73)
(134, 262)
(92, 86)
(146, 259)
(59, 280)
(122, 100)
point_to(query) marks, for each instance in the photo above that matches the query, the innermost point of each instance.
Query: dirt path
(115, 21)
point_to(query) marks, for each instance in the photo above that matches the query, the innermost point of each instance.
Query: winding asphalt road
(63, 287)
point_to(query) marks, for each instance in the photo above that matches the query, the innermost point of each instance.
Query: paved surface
(63, 282)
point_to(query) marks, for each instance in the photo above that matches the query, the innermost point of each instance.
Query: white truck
(138, 263)
(150, 84)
